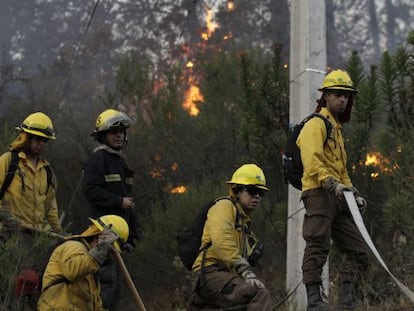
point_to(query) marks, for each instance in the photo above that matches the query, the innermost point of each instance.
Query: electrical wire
(77, 52)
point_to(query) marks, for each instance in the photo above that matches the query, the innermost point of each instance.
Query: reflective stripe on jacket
(29, 198)
(229, 240)
(107, 179)
(322, 161)
(79, 289)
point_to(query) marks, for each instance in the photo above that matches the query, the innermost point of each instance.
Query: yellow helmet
(118, 225)
(338, 80)
(38, 124)
(111, 118)
(249, 174)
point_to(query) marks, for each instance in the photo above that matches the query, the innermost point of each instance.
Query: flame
(179, 189)
(157, 173)
(228, 36)
(211, 25)
(174, 167)
(192, 95)
(230, 6)
(189, 64)
(376, 159)
(379, 161)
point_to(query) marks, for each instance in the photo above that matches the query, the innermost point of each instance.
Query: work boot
(346, 299)
(315, 302)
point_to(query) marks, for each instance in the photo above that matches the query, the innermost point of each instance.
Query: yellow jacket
(322, 161)
(69, 282)
(229, 240)
(28, 198)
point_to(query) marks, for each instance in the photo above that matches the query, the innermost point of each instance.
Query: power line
(77, 52)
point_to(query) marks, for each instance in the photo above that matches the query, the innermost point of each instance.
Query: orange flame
(211, 25)
(174, 167)
(228, 36)
(382, 163)
(179, 189)
(230, 6)
(191, 97)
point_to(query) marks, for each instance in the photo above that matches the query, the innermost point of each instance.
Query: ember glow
(379, 161)
(179, 189)
(192, 97)
(211, 25)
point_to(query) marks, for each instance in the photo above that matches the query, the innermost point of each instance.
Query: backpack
(189, 240)
(291, 161)
(13, 166)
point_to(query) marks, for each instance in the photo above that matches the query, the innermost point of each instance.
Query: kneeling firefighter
(223, 277)
(69, 281)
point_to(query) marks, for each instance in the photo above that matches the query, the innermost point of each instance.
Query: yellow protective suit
(322, 161)
(29, 199)
(229, 241)
(69, 282)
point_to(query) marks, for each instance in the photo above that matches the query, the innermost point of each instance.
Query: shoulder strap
(210, 205)
(328, 124)
(50, 176)
(10, 172)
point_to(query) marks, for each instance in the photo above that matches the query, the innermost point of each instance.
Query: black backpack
(291, 161)
(189, 240)
(13, 166)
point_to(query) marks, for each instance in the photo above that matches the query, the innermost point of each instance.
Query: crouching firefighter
(222, 274)
(69, 281)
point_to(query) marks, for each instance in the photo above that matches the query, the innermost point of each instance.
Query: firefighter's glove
(101, 252)
(362, 204)
(336, 188)
(244, 269)
(107, 236)
(251, 278)
(355, 191)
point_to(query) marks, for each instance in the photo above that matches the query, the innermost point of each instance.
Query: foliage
(243, 118)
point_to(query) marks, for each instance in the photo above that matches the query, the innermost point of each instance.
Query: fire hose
(359, 222)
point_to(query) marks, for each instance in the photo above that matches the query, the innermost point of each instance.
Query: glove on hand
(107, 236)
(251, 278)
(362, 204)
(244, 269)
(100, 252)
(333, 186)
(355, 191)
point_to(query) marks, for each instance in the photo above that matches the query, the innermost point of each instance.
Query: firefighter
(29, 201)
(107, 185)
(29, 211)
(325, 178)
(222, 274)
(69, 281)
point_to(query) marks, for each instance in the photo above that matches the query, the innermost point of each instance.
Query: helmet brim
(254, 185)
(34, 132)
(339, 87)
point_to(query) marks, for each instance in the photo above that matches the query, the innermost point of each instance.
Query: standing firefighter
(222, 274)
(29, 208)
(29, 202)
(107, 185)
(325, 178)
(69, 281)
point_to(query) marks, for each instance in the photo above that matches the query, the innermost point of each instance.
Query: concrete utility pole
(307, 66)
